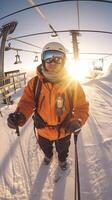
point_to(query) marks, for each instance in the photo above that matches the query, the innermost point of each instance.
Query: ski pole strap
(1, 113)
(17, 131)
(77, 181)
(37, 88)
(75, 139)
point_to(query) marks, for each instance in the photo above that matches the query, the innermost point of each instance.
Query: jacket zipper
(50, 94)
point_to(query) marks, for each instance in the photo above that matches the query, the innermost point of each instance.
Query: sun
(77, 70)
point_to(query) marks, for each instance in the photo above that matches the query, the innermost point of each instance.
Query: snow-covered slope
(23, 174)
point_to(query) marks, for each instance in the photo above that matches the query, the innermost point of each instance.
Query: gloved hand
(15, 119)
(73, 126)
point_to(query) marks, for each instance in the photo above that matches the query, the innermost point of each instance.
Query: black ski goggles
(53, 56)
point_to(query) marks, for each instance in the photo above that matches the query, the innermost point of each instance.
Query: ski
(61, 174)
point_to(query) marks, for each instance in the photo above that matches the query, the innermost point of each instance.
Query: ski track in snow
(98, 153)
(37, 182)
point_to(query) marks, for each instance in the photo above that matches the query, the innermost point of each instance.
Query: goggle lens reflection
(53, 56)
(56, 60)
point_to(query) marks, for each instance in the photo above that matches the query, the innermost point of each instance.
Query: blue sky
(93, 15)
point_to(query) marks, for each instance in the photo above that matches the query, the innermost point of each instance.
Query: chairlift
(18, 60)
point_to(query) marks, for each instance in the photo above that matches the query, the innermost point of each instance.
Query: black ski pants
(61, 145)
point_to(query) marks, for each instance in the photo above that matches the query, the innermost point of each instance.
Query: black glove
(73, 126)
(15, 119)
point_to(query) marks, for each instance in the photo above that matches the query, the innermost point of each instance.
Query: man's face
(54, 60)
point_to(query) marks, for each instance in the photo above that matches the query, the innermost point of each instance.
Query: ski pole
(22, 153)
(77, 181)
(1, 113)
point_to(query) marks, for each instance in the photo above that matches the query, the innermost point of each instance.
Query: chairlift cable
(62, 31)
(17, 49)
(100, 53)
(24, 42)
(83, 53)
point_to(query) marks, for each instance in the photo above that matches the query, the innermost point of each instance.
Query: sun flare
(77, 70)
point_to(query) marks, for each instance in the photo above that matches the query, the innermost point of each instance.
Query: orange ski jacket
(47, 105)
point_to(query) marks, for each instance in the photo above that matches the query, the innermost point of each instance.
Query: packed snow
(23, 174)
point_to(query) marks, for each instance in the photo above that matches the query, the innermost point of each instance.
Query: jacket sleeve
(26, 103)
(81, 105)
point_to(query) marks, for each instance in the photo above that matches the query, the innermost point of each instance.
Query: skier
(62, 106)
